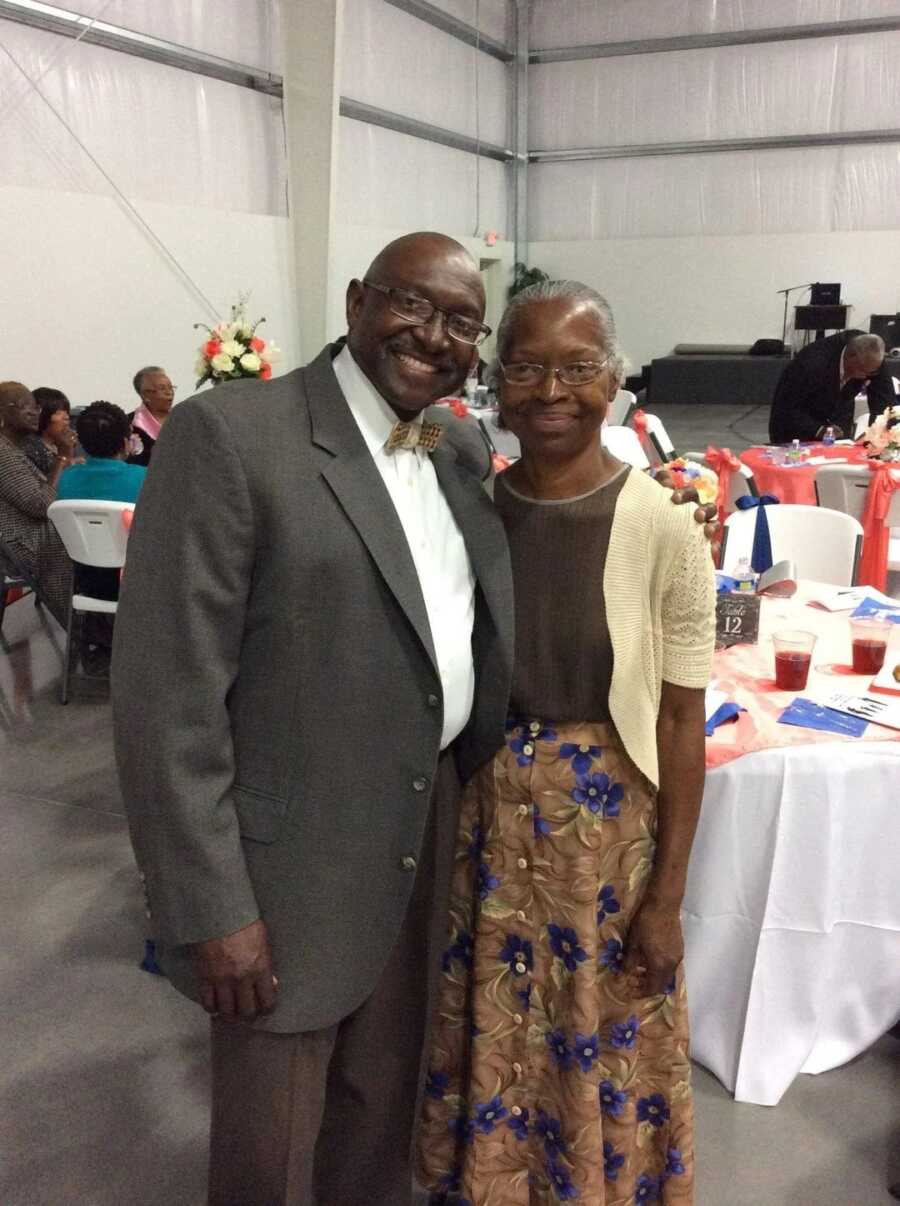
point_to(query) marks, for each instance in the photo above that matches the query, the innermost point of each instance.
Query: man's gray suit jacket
(277, 707)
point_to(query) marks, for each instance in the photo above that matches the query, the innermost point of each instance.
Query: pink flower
(211, 348)
(257, 344)
(265, 372)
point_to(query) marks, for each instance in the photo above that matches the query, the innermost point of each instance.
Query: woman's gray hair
(552, 291)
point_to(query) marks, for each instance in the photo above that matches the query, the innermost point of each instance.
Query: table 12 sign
(737, 619)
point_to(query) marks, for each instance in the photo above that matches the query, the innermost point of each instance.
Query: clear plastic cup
(793, 654)
(869, 639)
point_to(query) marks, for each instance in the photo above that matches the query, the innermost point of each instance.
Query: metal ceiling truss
(705, 147)
(432, 15)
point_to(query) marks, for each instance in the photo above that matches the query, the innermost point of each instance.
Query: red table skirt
(796, 483)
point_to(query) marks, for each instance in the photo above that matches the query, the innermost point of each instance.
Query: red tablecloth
(795, 483)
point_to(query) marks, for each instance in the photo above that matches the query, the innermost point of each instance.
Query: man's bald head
(863, 355)
(412, 364)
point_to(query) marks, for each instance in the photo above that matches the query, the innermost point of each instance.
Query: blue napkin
(723, 713)
(809, 715)
(872, 607)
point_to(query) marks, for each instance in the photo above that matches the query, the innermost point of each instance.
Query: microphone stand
(792, 289)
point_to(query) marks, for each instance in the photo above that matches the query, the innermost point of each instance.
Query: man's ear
(355, 296)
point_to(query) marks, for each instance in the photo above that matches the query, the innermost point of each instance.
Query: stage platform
(715, 374)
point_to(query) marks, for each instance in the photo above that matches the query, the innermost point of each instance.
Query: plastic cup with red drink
(869, 638)
(793, 654)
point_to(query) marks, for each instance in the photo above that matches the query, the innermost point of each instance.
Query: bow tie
(414, 435)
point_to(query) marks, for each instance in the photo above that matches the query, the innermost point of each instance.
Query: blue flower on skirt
(485, 881)
(623, 1034)
(488, 1114)
(524, 995)
(587, 1049)
(550, 1130)
(582, 755)
(513, 722)
(561, 1182)
(606, 903)
(541, 827)
(647, 1189)
(670, 987)
(612, 1161)
(475, 848)
(527, 734)
(518, 953)
(462, 949)
(674, 1164)
(463, 1129)
(564, 943)
(652, 1109)
(612, 956)
(598, 794)
(559, 1049)
(436, 1084)
(612, 1100)
(518, 1124)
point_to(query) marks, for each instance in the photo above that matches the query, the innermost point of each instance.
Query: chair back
(661, 447)
(621, 407)
(845, 487)
(860, 424)
(824, 545)
(624, 444)
(92, 531)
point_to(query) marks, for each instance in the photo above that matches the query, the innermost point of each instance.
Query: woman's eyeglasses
(420, 311)
(581, 372)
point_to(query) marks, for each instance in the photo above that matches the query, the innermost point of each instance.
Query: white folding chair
(860, 424)
(94, 534)
(844, 488)
(621, 407)
(661, 447)
(13, 575)
(824, 545)
(624, 444)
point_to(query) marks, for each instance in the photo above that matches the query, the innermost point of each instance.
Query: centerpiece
(882, 438)
(234, 350)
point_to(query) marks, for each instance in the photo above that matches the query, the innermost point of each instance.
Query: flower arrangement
(882, 438)
(686, 473)
(234, 350)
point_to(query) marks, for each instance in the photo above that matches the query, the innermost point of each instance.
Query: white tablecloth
(792, 913)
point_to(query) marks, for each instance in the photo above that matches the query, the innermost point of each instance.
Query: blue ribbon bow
(761, 557)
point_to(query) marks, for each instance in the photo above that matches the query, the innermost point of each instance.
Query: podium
(820, 319)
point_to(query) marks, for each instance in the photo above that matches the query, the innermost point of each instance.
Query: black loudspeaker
(767, 347)
(825, 295)
(888, 327)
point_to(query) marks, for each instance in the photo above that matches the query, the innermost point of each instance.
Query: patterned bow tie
(414, 435)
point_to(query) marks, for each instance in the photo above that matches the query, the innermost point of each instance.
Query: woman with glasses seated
(54, 434)
(559, 1067)
(28, 537)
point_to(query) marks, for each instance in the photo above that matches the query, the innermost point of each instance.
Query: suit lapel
(356, 483)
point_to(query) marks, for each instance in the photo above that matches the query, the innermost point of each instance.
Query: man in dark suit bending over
(818, 386)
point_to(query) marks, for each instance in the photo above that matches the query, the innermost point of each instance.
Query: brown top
(564, 657)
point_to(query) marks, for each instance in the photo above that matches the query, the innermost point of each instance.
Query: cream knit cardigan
(659, 588)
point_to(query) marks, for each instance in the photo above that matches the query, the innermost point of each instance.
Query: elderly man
(157, 393)
(329, 596)
(818, 386)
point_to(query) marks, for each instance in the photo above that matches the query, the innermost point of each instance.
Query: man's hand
(706, 512)
(654, 947)
(235, 974)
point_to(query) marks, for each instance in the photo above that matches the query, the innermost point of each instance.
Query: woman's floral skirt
(547, 1083)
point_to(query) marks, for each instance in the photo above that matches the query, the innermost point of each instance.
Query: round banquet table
(796, 483)
(792, 909)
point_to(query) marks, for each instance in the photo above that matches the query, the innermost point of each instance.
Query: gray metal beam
(741, 37)
(114, 37)
(519, 166)
(646, 150)
(422, 129)
(449, 24)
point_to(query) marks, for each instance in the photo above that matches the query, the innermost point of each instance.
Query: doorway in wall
(492, 277)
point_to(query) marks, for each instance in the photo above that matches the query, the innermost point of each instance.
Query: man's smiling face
(413, 365)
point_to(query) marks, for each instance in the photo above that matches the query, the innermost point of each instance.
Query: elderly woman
(157, 393)
(25, 495)
(54, 434)
(559, 1068)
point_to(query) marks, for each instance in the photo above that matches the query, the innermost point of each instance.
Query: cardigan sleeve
(688, 613)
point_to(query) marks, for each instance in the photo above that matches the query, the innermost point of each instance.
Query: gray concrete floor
(103, 1075)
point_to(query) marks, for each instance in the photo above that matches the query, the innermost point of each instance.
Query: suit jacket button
(420, 784)
(408, 863)
(433, 701)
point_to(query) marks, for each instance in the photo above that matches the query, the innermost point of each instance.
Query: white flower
(246, 331)
(270, 354)
(250, 362)
(232, 348)
(222, 362)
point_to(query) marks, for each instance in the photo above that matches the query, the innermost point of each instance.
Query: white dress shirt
(435, 542)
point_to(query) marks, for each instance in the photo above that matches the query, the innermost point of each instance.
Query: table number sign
(737, 619)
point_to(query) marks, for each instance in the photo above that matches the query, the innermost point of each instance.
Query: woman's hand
(654, 947)
(65, 442)
(706, 513)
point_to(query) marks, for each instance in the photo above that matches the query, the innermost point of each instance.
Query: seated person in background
(25, 494)
(54, 435)
(818, 387)
(157, 393)
(104, 431)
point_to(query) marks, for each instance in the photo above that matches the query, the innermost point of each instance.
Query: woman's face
(550, 417)
(20, 412)
(59, 422)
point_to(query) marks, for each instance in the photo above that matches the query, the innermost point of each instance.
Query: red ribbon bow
(876, 541)
(723, 462)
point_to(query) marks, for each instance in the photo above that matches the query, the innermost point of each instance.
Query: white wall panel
(573, 22)
(488, 15)
(397, 62)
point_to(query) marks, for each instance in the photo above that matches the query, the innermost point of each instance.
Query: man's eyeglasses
(420, 311)
(581, 372)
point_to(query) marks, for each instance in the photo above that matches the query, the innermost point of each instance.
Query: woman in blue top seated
(104, 432)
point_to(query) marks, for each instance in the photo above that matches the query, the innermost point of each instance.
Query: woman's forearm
(681, 750)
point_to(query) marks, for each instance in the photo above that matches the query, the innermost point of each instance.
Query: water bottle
(828, 437)
(794, 453)
(744, 577)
